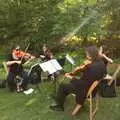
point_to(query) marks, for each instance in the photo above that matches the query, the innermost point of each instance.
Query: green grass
(14, 106)
(18, 106)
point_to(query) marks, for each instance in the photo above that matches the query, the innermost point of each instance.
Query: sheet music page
(43, 66)
(48, 66)
(55, 64)
(70, 59)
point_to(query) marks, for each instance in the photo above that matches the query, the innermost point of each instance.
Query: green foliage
(49, 21)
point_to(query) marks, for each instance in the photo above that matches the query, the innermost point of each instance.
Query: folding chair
(89, 94)
(92, 111)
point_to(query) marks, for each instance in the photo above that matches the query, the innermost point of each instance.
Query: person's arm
(77, 69)
(8, 63)
(107, 58)
(101, 54)
(50, 54)
(71, 74)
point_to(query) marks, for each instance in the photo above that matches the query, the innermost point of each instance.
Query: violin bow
(26, 49)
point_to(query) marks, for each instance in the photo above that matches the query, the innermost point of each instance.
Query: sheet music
(51, 66)
(43, 66)
(70, 59)
(56, 64)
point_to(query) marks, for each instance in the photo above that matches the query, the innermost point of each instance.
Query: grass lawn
(18, 106)
(14, 106)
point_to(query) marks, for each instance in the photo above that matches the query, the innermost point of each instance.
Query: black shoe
(57, 107)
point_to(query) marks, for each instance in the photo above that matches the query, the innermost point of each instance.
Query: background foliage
(73, 22)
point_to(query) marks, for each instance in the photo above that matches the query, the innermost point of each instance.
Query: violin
(82, 67)
(17, 67)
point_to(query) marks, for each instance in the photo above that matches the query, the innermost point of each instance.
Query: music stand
(33, 70)
(51, 66)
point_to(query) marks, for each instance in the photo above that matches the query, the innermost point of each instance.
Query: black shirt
(94, 71)
(16, 69)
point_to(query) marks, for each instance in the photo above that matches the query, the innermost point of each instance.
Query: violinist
(92, 69)
(15, 69)
(104, 57)
(107, 60)
(16, 55)
(107, 85)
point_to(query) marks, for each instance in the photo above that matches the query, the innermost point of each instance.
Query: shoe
(57, 107)
(18, 90)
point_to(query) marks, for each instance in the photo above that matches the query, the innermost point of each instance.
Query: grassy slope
(14, 106)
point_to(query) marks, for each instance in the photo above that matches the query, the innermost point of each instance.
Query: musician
(35, 71)
(105, 58)
(92, 69)
(106, 86)
(106, 61)
(15, 70)
(48, 55)
(15, 55)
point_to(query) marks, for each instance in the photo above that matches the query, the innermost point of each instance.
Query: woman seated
(93, 69)
(16, 55)
(47, 54)
(16, 76)
(106, 60)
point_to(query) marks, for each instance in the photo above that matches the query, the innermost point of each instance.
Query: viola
(82, 67)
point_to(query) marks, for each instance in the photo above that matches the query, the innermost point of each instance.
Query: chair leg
(93, 113)
(91, 107)
(96, 106)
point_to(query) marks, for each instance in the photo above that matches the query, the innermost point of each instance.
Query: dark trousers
(63, 91)
(12, 81)
(78, 87)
